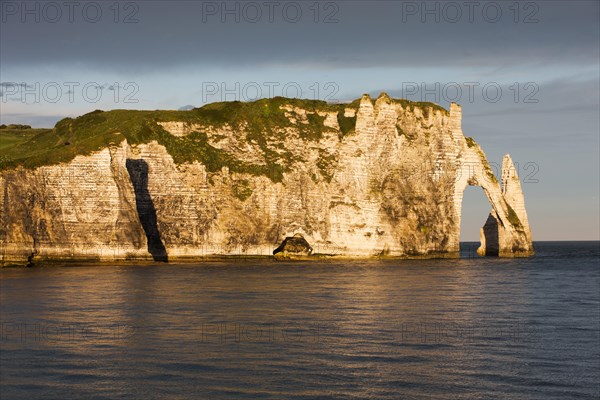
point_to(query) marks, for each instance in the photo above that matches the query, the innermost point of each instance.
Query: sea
(468, 328)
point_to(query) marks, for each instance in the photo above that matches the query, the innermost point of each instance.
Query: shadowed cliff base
(138, 172)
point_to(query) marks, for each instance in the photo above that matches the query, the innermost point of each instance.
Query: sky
(527, 74)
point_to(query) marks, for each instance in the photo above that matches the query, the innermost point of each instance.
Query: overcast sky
(527, 74)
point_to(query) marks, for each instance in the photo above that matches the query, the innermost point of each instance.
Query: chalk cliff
(370, 178)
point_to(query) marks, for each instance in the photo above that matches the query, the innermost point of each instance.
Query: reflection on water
(469, 328)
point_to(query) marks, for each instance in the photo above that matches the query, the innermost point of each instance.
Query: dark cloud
(367, 34)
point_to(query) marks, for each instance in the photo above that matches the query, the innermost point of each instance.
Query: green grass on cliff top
(266, 121)
(11, 137)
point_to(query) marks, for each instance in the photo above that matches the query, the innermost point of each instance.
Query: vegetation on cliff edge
(263, 121)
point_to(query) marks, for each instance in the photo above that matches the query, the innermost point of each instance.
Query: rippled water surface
(430, 329)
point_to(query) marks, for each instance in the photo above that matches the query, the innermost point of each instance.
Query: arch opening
(475, 212)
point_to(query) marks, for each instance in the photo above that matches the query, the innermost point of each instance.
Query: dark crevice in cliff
(138, 173)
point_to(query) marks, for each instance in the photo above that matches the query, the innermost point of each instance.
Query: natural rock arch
(506, 231)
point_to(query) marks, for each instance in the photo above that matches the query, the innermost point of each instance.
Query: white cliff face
(392, 186)
(85, 208)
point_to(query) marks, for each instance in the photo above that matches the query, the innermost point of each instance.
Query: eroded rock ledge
(370, 178)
